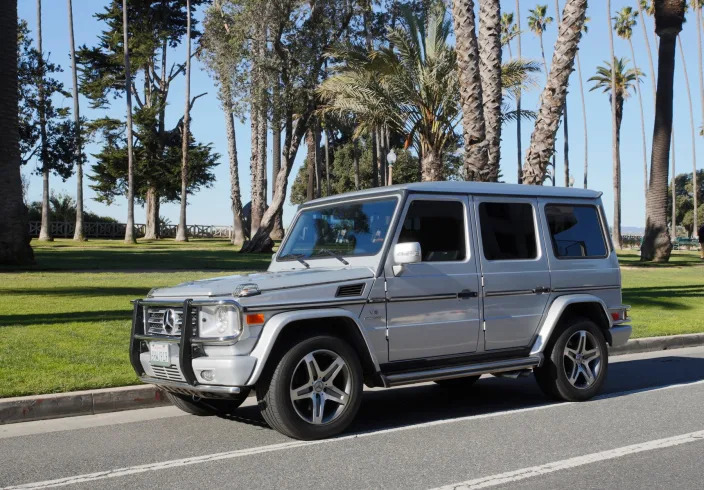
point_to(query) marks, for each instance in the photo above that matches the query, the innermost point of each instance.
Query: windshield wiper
(333, 254)
(296, 257)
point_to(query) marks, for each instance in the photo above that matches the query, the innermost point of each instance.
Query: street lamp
(391, 159)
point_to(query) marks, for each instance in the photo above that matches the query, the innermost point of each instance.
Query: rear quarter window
(575, 231)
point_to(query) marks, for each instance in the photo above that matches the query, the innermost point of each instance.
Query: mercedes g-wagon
(440, 282)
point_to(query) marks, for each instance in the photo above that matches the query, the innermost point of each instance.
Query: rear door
(515, 270)
(433, 305)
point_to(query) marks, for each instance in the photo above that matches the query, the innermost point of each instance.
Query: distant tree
(14, 233)
(181, 232)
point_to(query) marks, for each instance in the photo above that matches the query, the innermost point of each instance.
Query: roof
(475, 188)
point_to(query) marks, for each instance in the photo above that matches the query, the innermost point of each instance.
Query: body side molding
(556, 308)
(276, 323)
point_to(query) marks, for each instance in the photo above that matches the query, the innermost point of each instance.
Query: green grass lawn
(63, 330)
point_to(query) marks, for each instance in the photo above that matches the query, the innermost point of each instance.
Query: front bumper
(228, 374)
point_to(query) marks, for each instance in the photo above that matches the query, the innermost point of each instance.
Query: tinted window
(348, 229)
(575, 230)
(508, 231)
(439, 227)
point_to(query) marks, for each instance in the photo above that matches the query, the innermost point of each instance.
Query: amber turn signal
(255, 318)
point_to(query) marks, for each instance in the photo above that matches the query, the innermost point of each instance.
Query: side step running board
(462, 370)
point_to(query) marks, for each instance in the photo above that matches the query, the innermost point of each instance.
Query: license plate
(159, 354)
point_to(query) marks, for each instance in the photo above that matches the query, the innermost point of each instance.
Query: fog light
(207, 375)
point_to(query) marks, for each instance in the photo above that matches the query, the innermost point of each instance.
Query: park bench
(680, 243)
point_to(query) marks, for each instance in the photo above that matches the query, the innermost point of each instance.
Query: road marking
(131, 470)
(566, 464)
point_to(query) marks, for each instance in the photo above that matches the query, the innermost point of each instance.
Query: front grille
(351, 290)
(167, 321)
(171, 373)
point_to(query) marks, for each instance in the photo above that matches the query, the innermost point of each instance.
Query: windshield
(342, 230)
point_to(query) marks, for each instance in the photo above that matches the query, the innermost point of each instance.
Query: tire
(572, 370)
(463, 383)
(312, 400)
(204, 407)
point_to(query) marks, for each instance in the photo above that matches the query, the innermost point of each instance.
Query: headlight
(219, 321)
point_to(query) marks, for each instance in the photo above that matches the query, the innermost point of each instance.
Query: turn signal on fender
(255, 318)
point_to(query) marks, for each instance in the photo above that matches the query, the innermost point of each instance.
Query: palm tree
(693, 131)
(78, 234)
(617, 78)
(542, 141)
(647, 8)
(181, 233)
(413, 88)
(585, 29)
(623, 24)
(490, 75)
(509, 31)
(669, 16)
(45, 230)
(566, 148)
(14, 232)
(615, 128)
(697, 5)
(476, 157)
(129, 229)
(538, 21)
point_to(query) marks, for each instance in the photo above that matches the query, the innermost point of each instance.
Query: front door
(515, 269)
(433, 307)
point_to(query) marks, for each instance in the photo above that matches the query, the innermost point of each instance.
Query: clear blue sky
(212, 206)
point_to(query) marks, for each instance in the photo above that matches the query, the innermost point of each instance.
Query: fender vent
(351, 290)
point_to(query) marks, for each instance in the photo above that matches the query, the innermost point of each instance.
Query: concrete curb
(91, 402)
(652, 344)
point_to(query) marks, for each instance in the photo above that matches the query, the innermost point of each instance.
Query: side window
(439, 227)
(508, 231)
(575, 230)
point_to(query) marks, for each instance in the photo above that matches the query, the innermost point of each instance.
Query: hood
(266, 281)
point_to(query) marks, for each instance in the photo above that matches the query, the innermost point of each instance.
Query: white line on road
(565, 464)
(131, 470)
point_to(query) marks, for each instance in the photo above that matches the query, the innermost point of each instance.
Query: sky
(212, 206)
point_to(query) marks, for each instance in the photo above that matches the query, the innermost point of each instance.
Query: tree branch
(136, 95)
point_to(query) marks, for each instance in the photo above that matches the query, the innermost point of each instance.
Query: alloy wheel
(582, 359)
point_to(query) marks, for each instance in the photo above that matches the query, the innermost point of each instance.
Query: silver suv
(395, 285)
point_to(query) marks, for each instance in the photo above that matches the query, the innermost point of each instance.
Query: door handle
(541, 290)
(466, 294)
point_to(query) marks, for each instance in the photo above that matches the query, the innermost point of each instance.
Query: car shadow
(398, 407)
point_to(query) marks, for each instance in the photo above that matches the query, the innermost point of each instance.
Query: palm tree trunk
(45, 230)
(14, 232)
(545, 67)
(327, 163)
(616, 225)
(566, 147)
(382, 156)
(277, 233)
(615, 154)
(355, 160)
(237, 237)
(316, 160)
(476, 156)
(653, 80)
(584, 121)
(181, 232)
(519, 156)
(642, 123)
(693, 135)
(553, 97)
(153, 229)
(656, 241)
(673, 220)
(375, 161)
(490, 76)
(78, 234)
(698, 9)
(129, 229)
(310, 158)
(432, 165)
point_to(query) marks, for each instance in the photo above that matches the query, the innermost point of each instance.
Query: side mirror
(406, 253)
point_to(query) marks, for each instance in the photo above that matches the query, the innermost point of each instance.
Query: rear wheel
(314, 391)
(576, 363)
(206, 406)
(463, 383)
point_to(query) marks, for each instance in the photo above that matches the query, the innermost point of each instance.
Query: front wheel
(314, 391)
(576, 363)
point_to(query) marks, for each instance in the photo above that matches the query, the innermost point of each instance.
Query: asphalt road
(645, 431)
